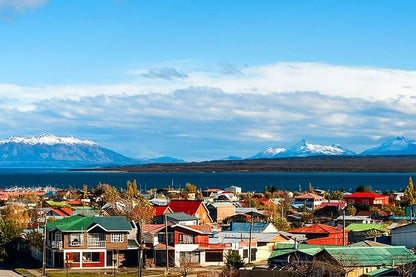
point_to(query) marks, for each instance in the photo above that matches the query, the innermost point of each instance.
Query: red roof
(159, 210)
(153, 228)
(364, 195)
(187, 206)
(316, 229)
(68, 211)
(332, 240)
(74, 202)
(58, 212)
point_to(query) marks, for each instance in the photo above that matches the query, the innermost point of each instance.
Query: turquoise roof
(82, 223)
(371, 256)
(243, 227)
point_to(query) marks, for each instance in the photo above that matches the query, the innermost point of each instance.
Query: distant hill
(51, 151)
(359, 164)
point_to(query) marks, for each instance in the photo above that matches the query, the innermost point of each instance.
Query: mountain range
(395, 146)
(51, 151)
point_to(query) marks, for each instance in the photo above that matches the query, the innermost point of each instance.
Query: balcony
(96, 243)
(56, 244)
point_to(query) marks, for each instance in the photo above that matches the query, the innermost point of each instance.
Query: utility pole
(249, 238)
(44, 249)
(343, 227)
(166, 240)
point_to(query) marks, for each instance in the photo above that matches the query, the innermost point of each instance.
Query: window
(96, 239)
(91, 257)
(76, 239)
(213, 256)
(161, 237)
(189, 257)
(117, 237)
(186, 238)
(366, 202)
(75, 257)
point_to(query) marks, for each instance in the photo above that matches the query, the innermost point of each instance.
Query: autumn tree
(190, 188)
(142, 212)
(10, 231)
(409, 193)
(85, 191)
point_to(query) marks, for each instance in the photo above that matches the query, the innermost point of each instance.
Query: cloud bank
(199, 114)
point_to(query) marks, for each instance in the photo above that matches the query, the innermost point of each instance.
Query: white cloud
(21, 5)
(247, 108)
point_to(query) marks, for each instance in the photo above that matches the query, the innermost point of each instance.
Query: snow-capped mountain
(396, 146)
(270, 152)
(303, 149)
(51, 151)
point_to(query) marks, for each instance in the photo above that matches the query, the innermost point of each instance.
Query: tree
(85, 191)
(299, 265)
(409, 193)
(233, 259)
(10, 231)
(336, 195)
(190, 188)
(141, 212)
(281, 223)
(362, 188)
(351, 210)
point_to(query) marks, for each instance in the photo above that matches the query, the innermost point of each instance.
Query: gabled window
(76, 239)
(117, 237)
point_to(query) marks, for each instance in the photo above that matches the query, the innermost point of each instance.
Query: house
(349, 219)
(347, 261)
(220, 211)
(265, 241)
(357, 261)
(362, 231)
(308, 199)
(322, 234)
(256, 227)
(367, 198)
(191, 207)
(404, 235)
(185, 243)
(81, 241)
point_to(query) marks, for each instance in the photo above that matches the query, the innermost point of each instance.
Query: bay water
(247, 181)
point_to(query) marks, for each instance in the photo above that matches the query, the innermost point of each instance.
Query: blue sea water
(248, 181)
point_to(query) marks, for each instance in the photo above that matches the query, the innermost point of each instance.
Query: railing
(96, 243)
(76, 243)
(56, 244)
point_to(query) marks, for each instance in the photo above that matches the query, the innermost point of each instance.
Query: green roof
(285, 248)
(57, 204)
(365, 227)
(374, 256)
(82, 223)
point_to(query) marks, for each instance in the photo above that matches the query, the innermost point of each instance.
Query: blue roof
(258, 227)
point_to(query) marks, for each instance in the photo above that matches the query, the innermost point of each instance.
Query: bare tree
(404, 263)
(300, 265)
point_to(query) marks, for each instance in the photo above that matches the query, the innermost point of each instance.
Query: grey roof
(181, 216)
(260, 237)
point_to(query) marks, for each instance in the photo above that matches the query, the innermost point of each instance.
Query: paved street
(8, 273)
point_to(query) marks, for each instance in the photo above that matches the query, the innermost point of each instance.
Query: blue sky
(207, 79)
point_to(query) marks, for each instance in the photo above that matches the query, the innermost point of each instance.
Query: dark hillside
(306, 164)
